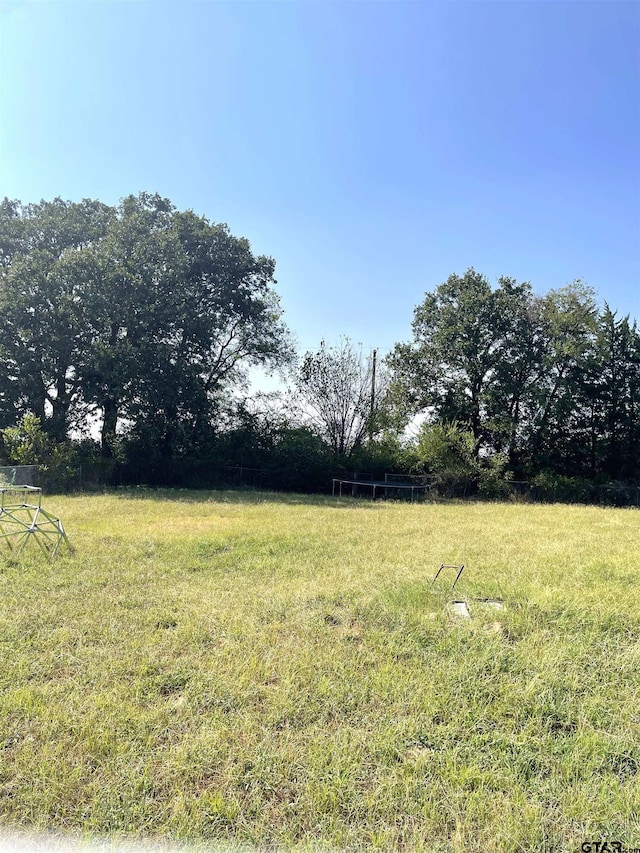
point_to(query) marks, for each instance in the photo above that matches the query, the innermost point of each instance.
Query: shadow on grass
(239, 496)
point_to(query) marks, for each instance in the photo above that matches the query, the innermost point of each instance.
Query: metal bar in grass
(449, 566)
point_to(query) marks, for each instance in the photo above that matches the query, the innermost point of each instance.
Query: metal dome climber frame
(22, 519)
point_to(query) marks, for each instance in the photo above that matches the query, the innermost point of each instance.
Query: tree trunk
(110, 419)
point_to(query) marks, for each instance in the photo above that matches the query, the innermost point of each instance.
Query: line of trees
(548, 383)
(127, 333)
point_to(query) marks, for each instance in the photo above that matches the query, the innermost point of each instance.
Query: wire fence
(563, 491)
(20, 475)
(101, 474)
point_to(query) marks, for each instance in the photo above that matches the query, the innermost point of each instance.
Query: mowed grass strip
(277, 671)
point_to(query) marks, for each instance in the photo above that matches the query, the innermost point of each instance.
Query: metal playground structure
(22, 519)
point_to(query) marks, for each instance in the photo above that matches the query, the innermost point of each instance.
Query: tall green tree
(469, 362)
(605, 416)
(193, 309)
(503, 363)
(47, 275)
(140, 314)
(569, 318)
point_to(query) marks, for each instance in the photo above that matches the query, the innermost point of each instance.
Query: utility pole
(373, 392)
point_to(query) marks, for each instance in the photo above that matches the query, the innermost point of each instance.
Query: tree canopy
(139, 312)
(549, 381)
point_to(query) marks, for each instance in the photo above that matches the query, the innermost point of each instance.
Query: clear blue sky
(372, 148)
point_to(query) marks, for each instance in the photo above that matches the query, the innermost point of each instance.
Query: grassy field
(276, 671)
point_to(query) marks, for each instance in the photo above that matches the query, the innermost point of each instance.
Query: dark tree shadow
(251, 497)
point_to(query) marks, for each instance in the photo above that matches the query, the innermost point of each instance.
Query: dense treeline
(550, 383)
(126, 335)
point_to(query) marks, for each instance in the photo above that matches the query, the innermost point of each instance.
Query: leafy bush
(28, 444)
(557, 488)
(446, 452)
(494, 480)
(299, 461)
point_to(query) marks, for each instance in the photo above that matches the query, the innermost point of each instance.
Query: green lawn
(277, 671)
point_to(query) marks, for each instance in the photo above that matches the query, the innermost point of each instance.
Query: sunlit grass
(278, 670)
